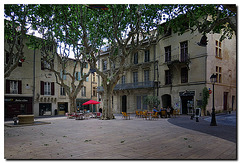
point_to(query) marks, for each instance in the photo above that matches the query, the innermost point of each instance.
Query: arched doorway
(166, 100)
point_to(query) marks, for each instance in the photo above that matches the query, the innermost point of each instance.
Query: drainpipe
(154, 69)
(34, 59)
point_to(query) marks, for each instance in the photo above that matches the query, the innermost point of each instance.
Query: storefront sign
(21, 100)
(187, 93)
(16, 99)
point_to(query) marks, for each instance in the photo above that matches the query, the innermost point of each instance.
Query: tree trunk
(72, 104)
(107, 113)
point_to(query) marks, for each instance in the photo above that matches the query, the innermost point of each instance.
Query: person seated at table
(154, 110)
(168, 112)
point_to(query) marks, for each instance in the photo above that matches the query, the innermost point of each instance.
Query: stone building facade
(135, 84)
(187, 68)
(177, 70)
(31, 89)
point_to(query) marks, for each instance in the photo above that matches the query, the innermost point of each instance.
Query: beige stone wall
(25, 74)
(131, 95)
(201, 66)
(228, 66)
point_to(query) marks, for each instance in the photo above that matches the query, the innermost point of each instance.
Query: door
(124, 103)
(185, 101)
(45, 109)
(225, 100)
(166, 101)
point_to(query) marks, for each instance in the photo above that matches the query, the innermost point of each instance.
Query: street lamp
(213, 79)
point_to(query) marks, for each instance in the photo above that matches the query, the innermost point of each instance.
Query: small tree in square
(151, 101)
(205, 93)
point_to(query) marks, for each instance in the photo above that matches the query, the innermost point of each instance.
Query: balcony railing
(184, 58)
(138, 85)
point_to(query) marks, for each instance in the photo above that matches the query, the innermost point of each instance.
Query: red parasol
(91, 102)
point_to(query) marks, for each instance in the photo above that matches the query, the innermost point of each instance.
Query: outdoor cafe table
(79, 116)
(150, 115)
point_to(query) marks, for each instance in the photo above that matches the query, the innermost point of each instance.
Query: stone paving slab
(117, 139)
(29, 124)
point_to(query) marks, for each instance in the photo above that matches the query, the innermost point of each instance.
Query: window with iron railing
(146, 76)
(135, 77)
(184, 51)
(167, 53)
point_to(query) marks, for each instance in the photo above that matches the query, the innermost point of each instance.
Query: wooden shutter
(19, 87)
(52, 88)
(41, 87)
(7, 86)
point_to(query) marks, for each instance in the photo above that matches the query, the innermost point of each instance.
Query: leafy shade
(205, 94)
(151, 101)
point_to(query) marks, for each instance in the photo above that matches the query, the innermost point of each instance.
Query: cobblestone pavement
(164, 138)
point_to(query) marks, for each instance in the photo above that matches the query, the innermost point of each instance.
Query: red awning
(91, 102)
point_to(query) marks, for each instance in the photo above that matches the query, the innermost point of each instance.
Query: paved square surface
(165, 138)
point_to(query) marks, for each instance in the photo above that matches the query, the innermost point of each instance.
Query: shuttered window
(47, 88)
(14, 86)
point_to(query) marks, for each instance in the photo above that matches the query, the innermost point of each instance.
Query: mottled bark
(107, 113)
(72, 104)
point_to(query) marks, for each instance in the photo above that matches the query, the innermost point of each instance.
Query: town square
(120, 81)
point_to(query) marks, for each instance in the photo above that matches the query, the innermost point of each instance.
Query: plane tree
(60, 41)
(130, 28)
(15, 29)
(205, 18)
(83, 30)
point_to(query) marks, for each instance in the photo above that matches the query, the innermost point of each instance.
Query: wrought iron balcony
(126, 86)
(184, 58)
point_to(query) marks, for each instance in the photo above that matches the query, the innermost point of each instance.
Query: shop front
(62, 108)
(82, 107)
(187, 100)
(17, 106)
(45, 109)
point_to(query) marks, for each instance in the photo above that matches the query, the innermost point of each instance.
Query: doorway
(185, 101)
(166, 101)
(124, 103)
(62, 108)
(225, 101)
(45, 109)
